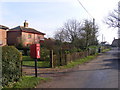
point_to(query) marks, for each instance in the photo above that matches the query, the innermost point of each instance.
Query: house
(116, 42)
(24, 35)
(3, 35)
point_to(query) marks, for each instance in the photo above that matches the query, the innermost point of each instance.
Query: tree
(113, 20)
(70, 32)
(48, 43)
(89, 33)
(21, 44)
(79, 35)
(60, 35)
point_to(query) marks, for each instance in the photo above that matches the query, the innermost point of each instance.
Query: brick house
(24, 35)
(3, 35)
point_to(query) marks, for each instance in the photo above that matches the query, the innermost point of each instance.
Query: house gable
(3, 35)
(27, 35)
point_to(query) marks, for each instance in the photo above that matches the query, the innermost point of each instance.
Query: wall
(16, 37)
(30, 38)
(3, 37)
(12, 37)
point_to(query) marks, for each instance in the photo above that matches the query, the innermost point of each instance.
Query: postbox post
(35, 67)
(35, 53)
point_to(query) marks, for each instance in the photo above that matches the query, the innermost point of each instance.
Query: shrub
(11, 65)
(45, 54)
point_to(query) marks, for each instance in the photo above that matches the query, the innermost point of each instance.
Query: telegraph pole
(119, 20)
(94, 38)
(102, 37)
(93, 23)
(102, 42)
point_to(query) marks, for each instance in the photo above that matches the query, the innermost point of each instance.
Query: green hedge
(45, 54)
(11, 65)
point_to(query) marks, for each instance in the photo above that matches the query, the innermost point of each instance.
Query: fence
(63, 58)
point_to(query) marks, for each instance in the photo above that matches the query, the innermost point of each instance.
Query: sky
(48, 16)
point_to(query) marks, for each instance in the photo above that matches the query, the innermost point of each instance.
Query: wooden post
(65, 59)
(21, 68)
(60, 53)
(51, 59)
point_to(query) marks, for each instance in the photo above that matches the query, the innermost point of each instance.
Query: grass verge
(27, 82)
(105, 50)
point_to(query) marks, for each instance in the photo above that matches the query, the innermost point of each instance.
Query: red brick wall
(12, 37)
(31, 38)
(27, 38)
(2, 37)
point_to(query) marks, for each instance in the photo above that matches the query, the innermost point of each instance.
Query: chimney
(114, 38)
(25, 24)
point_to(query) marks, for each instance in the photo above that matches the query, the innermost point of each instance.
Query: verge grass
(27, 82)
(105, 50)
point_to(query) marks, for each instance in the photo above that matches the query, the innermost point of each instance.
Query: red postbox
(35, 51)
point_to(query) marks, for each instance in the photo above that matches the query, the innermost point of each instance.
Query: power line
(84, 8)
(87, 13)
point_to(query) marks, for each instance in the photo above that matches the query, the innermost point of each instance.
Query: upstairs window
(39, 37)
(1, 43)
(29, 36)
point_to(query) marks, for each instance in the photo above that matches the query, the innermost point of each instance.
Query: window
(1, 43)
(39, 37)
(29, 35)
(28, 45)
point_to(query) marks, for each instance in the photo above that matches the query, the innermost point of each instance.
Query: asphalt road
(101, 72)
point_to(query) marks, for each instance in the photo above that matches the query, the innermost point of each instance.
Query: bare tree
(113, 20)
(60, 35)
(70, 31)
(80, 35)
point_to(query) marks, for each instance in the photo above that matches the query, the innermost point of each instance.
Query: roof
(3, 27)
(24, 29)
(115, 42)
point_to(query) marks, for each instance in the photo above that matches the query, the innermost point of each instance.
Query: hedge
(11, 65)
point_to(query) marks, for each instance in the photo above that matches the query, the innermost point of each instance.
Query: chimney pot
(25, 24)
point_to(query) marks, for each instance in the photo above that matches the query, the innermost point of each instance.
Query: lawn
(27, 61)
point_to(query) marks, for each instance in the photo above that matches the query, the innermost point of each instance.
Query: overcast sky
(48, 15)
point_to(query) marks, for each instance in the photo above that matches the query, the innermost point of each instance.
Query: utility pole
(93, 23)
(119, 20)
(94, 31)
(102, 37)
(102, 42)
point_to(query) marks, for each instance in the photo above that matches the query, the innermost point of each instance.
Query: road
(101, 72)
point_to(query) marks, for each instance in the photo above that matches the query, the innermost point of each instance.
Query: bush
(11, 65)
(45, 54)
(93, 50)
